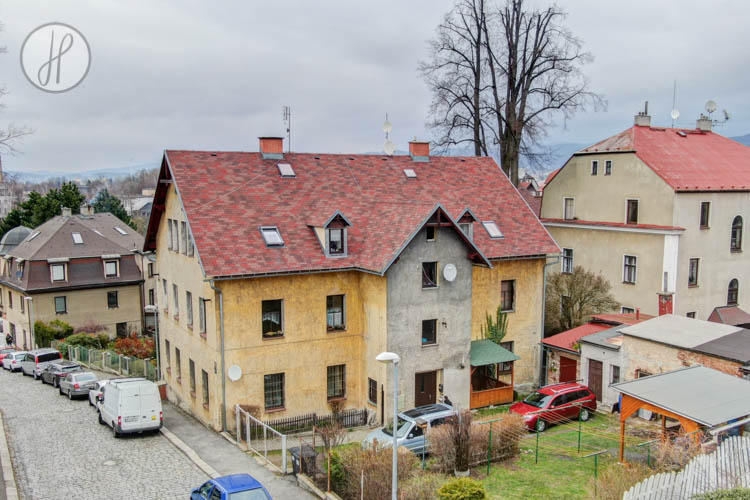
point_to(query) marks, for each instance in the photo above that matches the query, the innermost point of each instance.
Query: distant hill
(113, 173)
(742, 139)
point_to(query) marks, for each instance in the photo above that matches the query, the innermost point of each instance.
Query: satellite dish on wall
(449, 272)
(711, 106)
(234, 372)
(675, 114)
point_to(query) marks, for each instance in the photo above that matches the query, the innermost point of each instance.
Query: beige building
(660, 213)
(81, 269)
(283, 276)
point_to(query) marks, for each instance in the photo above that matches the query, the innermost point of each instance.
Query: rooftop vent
(286, 170)
(410, 173)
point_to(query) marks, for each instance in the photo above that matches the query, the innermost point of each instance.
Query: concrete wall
(718, 265)
(608, 357)
(524, 322)
(449, 303)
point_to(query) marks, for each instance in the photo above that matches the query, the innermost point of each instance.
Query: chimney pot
(272, 148)
(703, 123)
(419, 150)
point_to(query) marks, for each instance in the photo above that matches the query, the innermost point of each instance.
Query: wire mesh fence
(110, 361)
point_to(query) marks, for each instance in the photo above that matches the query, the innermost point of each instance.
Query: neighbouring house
(531, 192)
(659, 345)
(291, 272)
(13, 238)
(81, 269)
(657, 210)
(7, 198)
(563, 350)
(730, 315)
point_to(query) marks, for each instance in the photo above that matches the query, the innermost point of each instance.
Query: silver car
(409, 432)
(77, 384)
(95, 392)
(12, 361)
(33, 362)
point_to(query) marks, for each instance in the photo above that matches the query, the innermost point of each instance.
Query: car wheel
(101, 420)
(59, 389)
(55, 383)
(90, 403)
(33, 374)
(541, 425)
(70, 394)
(114, 431)
(585, 415)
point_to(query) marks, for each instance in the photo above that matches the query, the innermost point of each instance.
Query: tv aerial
(388, 147)
(286, 115)
(711, 107)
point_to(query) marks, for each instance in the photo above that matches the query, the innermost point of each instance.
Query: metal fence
(261, 439)
(110, 361)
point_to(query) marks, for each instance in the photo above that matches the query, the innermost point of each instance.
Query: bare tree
(572, 297)
(10, 133)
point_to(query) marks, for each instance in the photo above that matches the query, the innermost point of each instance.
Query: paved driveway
(60, 451)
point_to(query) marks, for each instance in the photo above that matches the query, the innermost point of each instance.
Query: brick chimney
(703, 123)
(66, 212)
(419, 150)
(642, 119)
(272, 148)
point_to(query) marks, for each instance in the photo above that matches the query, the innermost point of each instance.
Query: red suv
(556, 403)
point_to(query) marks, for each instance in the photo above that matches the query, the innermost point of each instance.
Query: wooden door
(425, 388)
(568, 369)
(595, 378)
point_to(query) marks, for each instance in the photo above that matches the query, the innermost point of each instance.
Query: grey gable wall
(450, 303)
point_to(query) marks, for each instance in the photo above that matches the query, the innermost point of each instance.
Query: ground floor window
(112, 301)
(372, 391)
(122, 329)
(336, 381)
(61, 305)
(273, 389)
(615, 374)
(429, 332)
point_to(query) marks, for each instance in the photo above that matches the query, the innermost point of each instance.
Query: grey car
(53, 372)
(78, 384)
(409, 433)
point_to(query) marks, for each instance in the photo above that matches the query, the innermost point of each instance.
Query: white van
(130, 405)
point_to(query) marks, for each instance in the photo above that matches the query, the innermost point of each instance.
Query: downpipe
(223, 370)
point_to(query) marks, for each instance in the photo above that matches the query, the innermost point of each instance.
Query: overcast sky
(190, 75)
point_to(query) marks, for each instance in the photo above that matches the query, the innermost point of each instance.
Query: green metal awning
(486, 352)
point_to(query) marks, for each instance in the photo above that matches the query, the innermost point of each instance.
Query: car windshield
(5, 351)
(537, 399)
(256, 494)
(403, 426)
(85, 377)
(70, 368)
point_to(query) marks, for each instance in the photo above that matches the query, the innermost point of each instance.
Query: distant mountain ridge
(114, 173)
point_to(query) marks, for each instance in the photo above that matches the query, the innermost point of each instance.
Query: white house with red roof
(283, 276)
(660, 213)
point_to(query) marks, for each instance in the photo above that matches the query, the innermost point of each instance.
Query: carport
(697, 397)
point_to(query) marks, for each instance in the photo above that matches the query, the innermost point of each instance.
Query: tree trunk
(510, 151)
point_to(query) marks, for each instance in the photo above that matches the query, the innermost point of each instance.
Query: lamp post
(31, 321)
(155, 309)
(390, 357)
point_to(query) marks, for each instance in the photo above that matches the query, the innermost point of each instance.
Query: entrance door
(568, 369)
(425, 388)
(595, 378)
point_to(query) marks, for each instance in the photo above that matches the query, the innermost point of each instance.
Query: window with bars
(733, 292)
(507, 295)
(630, 269)
(336, 381)
(693, 272)
(273, 391)
(372, 391)
(272, 311)
(429, 274)
(429, 332)
(567, 260)
(335, 319)
(204, 383)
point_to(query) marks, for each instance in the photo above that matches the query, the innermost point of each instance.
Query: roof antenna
(388, 147)
(675, 114)
(286, 113)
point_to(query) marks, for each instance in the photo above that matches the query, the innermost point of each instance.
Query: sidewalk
(225, 457)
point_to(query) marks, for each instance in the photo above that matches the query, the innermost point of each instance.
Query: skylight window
(410, 173)
(286, 170)
(492, 229)
(120, 230)
(34, 235)
(77, 238)
(98, 232)
(272, 236)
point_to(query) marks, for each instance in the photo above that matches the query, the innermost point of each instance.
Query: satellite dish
(389, 147)
(387, 127)
(234, 372)
(711, 106)
(449, 272)
(727, 116)
(675, 114)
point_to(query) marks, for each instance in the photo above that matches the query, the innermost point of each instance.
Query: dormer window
(467, 229)
(335, 240)
(272, 236)
(110, 269)
(57, 272)
(77, 238)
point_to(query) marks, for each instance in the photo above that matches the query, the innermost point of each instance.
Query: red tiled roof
(535, 202)
(729, 315)
(227, 196)
(613, 224)
(687, 160)
(568, 339)
(621, 318)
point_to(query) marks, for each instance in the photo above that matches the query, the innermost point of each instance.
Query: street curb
(187, 450)
(11, 489)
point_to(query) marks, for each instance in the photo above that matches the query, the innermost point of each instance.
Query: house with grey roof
(81, 269)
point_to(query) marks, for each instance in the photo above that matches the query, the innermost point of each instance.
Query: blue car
(234, 487)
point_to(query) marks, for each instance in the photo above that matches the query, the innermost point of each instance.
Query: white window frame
(264, 229)
(635, 273)
(638, 201)
(700, 215)
(77, 238)
(117, 269)
(52, 272)
(121, 231)
(65, 303)
(490, 226)
(562, 262)
(573, 215)
(468, 229)
(344, 235)
(608, 164)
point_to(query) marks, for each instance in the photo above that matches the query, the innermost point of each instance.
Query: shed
(698, 397)
(489, 362)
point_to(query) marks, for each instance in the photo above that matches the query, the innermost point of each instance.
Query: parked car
(130, 405)
(234, 487)
(34, 361)
(408, 431)
(77, 384)
(12, 361)
(5, 351)
(556, 403)
(57, 369)
(95, 392)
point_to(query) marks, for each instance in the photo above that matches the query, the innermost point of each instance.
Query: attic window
(286, 170)
(98, 232)
(492, 229)
(272, 236)
(37, 233)
(681, 133)
(77, 239)
(410, 173)
(120, 230)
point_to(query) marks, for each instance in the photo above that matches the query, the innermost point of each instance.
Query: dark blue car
(234, 487)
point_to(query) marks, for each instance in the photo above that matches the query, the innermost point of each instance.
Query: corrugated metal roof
(679, 331)
(708, 397)
(486, 352)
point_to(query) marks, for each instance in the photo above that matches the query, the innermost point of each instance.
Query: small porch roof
(486, 352)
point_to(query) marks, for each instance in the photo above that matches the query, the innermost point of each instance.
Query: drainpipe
(542, 364)
(223, 370)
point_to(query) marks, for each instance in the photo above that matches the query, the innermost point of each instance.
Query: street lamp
(390, 357)
(155, 309)
(31, 322)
